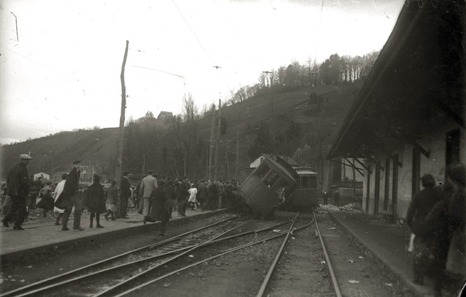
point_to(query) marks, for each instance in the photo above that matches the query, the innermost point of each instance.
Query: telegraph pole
(212, 128)
(237, 156)
(122, 127)
(217, 142)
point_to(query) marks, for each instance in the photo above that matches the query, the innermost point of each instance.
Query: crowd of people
(436, 217)
(156, 198)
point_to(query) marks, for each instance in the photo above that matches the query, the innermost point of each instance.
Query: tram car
(306, 196)
(269, 185)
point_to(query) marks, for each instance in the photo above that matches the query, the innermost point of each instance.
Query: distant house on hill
(164, 115)
(42, 175)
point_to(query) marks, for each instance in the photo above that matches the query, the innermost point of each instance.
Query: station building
(409, 117)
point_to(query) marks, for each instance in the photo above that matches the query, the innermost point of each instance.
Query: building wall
(435, 143)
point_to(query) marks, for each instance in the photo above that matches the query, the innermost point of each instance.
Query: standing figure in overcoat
(422, 203)
(182, 197)
(95, 201)
(70, 198)
(148, 185)
(161, 206)
(18, 190)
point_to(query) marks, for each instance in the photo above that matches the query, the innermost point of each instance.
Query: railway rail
(83, 279)
(273, 267)
(106, 264)
(128, 273)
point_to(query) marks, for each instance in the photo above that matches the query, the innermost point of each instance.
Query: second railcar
(305, 196)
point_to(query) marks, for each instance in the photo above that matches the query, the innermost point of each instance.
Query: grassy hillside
(318, 116)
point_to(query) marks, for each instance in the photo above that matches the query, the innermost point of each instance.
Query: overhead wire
(200, 43)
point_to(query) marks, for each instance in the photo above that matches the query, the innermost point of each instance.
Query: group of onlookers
(154, 197)
(436, 217)
(19, 195)
(160, 196)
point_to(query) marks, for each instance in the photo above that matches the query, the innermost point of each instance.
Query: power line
(159, 70)
(194, 34)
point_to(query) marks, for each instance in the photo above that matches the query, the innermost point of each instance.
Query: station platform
(38, 240)
(386, 245)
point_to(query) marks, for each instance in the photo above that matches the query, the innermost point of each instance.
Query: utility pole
(217, 142)
(122, 126)
(212, 128)
(237, 156)
(16, 22)
(228, 164)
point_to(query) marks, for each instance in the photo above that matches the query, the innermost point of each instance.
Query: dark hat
(25, 157)
(457, 173)
(64, 175)
(77, 162)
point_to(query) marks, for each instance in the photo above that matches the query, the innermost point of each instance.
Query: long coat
(18, 181)
(95, 198)
(422, 203)
(65, 200)
(160, 206)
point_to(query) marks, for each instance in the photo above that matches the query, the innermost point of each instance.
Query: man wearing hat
(69, 198)
(18, 189)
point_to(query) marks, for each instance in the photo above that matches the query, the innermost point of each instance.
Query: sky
(60, 65)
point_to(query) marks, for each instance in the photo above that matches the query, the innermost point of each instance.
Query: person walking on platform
(456, 216)
(125, 193)
(182, 197)
(112, 198)
(95, 201)
(171, 195)
(69, 198)
(56, 194)
(18, 189)
(161, 206)
(148, 185)
(193, 203)
(422, 203)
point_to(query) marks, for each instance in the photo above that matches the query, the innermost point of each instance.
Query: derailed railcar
(269, 185)
(305, 196)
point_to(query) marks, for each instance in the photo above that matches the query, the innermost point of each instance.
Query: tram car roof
(305, 171)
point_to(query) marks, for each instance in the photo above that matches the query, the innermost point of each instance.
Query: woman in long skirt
(112, 198)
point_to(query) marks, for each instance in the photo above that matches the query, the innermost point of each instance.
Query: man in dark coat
(182, 197)
(125, 193)
(18, 190)
(422, 203)
(161, 206)
(70, 197)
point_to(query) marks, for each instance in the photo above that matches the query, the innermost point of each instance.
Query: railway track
(268, 286)
(126, 271)
(132, 257)
(139, 270)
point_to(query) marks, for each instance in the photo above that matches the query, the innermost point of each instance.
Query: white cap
(25, 157)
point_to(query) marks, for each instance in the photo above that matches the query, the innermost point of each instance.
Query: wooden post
(228, 164)
(237, 156)
(217, 141)
(122, 128)
(212, 128)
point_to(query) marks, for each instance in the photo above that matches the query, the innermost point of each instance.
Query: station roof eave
(408, 85)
